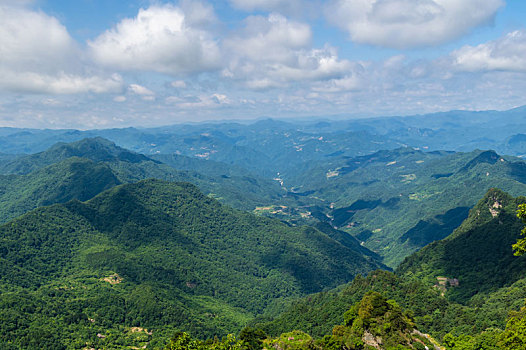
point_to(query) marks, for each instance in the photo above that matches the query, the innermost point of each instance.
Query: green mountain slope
(72, 178)
(395, 201)
(317, 313)
(233, 184)
(156, 255)
(491, 284)
(400, 200)
(34, 179)
(478, 253)
(373, 323)
(96, 149)
(432, 313)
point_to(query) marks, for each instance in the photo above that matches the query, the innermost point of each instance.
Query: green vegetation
(398, 201)
(82, 169)
(485, 310)
(484, 324)
(520, 246)
(394, 201)
(183, 341)
(317, 313)
(117, 262)
(513, 337)
(376, 318)
(229, 183)
(159, 256)
(72, 178)
(373, 323)
(478, 254)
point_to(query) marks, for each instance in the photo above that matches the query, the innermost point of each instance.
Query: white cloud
(507, 53)
(404, 24)
(273, 51)
(162, 39)
(145, 93)
(51, 102)
(61, 83)
(270, 38)
(140, 90)
(347, 83)
(220, 98)
(198, 14)
(37, 55)
(173, 99)
(269, 52)
(33, 41)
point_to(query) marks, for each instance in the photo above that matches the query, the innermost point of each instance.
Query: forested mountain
(374, 322)
(352, 171)
(364, 195)
(373, 319)
(394, 201)
(72, 178)
(466, 290)
(432, 312)
(111, 260)
(82, 169)
(96, 149)
(266, 146)
(478, 254)
(156, 255)
(400, 200)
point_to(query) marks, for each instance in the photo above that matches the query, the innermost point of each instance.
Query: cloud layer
(180, 62)
(273, 51)
(402, 24)
(38, 55)
(160, 39)
(507, 54)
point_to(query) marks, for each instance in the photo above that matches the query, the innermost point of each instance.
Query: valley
(263, 175)
(121, 238)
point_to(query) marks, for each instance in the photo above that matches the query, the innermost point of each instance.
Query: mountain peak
(488, 157)
(97, 149)
(493, 202)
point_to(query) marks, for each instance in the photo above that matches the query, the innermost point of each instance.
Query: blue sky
(108, 63)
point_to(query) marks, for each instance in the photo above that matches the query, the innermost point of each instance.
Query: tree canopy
(520, 247)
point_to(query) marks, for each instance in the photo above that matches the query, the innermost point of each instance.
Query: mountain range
(462, 289)
(282, 232)
(158, 254)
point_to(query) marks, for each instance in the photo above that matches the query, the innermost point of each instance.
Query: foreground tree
(520, 246)
(514, 337)
(183, 341)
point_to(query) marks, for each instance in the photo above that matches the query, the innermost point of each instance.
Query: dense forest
(263, 175)
(467, 291)
(160, 255)
(102, 247)
(96, 270)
